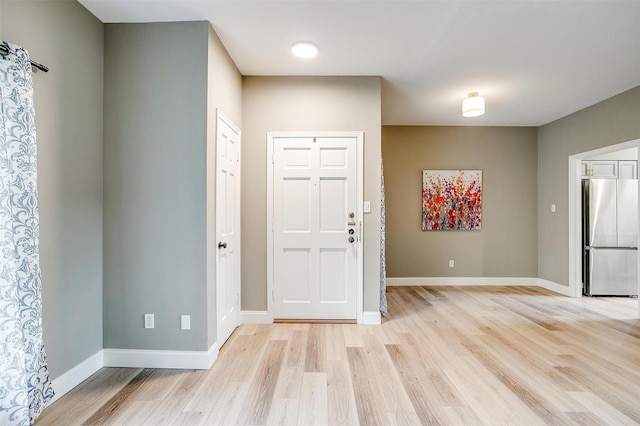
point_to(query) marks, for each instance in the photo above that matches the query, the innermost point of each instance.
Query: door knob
(351, 231)
(351, 239)
(222, 245)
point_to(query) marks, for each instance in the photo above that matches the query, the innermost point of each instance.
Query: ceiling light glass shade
(304, 49)
(473, 106)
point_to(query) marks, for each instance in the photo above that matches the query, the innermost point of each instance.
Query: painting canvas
(451, 200)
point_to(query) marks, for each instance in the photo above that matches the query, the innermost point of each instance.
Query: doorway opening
(575, 207)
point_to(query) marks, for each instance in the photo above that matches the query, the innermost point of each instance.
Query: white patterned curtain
(25, 387)
(383, 254)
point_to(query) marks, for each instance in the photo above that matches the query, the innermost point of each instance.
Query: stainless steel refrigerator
(610, 237)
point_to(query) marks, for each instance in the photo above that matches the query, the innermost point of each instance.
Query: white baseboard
(77, 375)
(463, 281)
(197, 360)
(371, 317)
(256, 317)
(142, 358)
(262, 317)
(555, 287)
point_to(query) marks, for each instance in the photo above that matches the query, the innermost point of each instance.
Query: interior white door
(227, 228)
(315, 228)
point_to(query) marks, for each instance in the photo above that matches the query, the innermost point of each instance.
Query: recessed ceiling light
(304, 49)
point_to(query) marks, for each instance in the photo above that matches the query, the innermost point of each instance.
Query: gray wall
(224, 93)
(297, 104)
(155, 143)
(609, 122)
(506, 246)
(68, 102)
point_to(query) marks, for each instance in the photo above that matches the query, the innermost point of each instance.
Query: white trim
(371, 318)
(269, 179)
(488, 281)
(359, 135)
(574, 205)
(143, 358)
(221, 116)
(575, 226)
(256, 317)
(77, 375)
(360, 314)
(555, 287)
(461, 281)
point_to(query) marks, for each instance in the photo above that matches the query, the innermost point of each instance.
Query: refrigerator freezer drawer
(613, 272)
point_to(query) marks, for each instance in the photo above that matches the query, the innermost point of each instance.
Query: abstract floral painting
(451, 200)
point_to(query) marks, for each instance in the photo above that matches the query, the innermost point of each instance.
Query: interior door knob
(351, 239)
(222, 245)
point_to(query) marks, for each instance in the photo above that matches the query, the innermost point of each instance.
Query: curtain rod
(4, 50)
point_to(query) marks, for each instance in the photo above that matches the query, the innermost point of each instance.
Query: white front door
(227, 228)
(316, 227)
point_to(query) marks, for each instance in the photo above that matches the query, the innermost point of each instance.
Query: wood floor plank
(371, 407)
(404, 419)
(352, 336)
(461, 416)
(512, 359)
(290, 380)
(315, 357)
(284, 412)
(229, 403)
(341, 403)
(137, 414)
(78, 405)
(162, 385)
(163, 412)
(313, 400)
(237, 362)
(531, 396)
(413, 378)
(600, 408)
(255, 409)
(448, 355)
(489, 399)
(119, 403)
(334, 343)
(396, 400)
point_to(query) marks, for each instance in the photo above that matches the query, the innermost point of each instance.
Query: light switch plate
(367, 206)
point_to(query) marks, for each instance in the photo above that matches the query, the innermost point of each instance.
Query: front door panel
(315, 241)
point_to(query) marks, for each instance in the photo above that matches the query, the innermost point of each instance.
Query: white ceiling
(533, 61)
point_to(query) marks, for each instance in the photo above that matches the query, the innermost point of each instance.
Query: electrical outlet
(185, 322)
(451, 263)
(149, 321)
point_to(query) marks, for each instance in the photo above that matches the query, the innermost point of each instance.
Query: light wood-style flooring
(446, 355)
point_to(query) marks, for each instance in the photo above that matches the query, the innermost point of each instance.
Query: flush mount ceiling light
(473, 105)
(304, 49)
